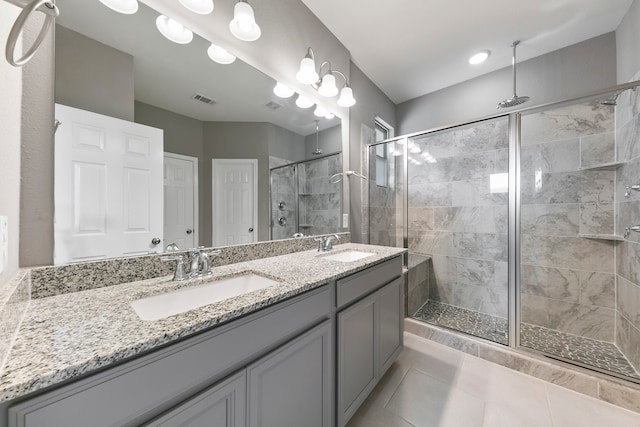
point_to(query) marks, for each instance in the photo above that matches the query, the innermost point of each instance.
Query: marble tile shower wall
(568, 281)
(628, 214)
(458, 218)
(320, 200)
(385, 199)
(283, 203)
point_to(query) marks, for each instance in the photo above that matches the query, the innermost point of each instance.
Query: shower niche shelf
(305, 226)
(613, 237)
(603, 167)
(305, 194)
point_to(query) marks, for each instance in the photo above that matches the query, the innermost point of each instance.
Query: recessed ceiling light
(479, 57)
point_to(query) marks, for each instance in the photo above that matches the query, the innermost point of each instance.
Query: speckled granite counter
(68, 335)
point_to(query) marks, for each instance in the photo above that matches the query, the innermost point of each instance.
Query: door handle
(155, 241)
(250, 229)
(189, 231)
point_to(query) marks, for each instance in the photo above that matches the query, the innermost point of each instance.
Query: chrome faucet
(325, 243)
(201, 261)
(179, 272)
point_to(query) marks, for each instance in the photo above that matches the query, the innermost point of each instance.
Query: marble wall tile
(422, 195)
(502, 161)
(628, 140)
(620, 395)
(477, 219)
(597, 218)
(468, 167)
(441, 279)
(382, 197)
(438, 145)
(482, 299)
(584, 320)
(417, 286)
(550, 157)
(473, 272)
(628, 214)
(557, 220)
(488, 246)
(628, 340)
(597, 149)
(485, 136)
(431, 242)
(382, 218)
(566, 122)
(598, 289)
(628, 301)
(476, 193)
(421, 218)
(570, 187)
(557, 283)
(568, 252)
(628, 105)
(628, 261)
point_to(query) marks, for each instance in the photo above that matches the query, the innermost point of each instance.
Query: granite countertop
(65, 336)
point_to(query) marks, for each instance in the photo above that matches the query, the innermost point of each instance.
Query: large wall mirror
(215, 120)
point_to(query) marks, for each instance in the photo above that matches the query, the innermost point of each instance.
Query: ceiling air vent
(202, 98)
(273, 105)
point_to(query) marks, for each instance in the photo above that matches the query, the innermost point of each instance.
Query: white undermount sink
(348, 256)
(186, 299)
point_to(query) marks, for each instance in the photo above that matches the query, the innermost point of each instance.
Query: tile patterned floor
(600, 354)
(431, 385)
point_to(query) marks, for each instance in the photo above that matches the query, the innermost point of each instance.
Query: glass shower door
(458, 200)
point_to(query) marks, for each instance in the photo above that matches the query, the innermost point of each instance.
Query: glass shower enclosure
(530, 225)
(303, 198)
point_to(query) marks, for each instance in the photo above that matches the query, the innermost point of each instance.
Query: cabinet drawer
(132, 392)
(360, 284)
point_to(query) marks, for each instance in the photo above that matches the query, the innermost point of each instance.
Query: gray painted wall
(11, 90)
(572, 71)
(628, 43)
(329, 141)
(371, 103)
(284, 143)
(36, 185)
(93, 76)
(182, 135)
(238, 140)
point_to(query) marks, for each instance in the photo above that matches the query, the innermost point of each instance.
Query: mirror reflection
(228, 150)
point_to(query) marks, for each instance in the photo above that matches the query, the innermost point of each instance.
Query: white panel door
(180, 200)
(108, 187)
(235, 201)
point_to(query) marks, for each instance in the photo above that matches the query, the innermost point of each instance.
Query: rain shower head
(515, 99)
(612, 100)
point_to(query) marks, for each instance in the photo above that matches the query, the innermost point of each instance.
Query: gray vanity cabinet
(369, 324)
(223, 405)
(293, 385)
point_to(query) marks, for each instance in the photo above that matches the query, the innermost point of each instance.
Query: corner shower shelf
(604, 167)
(304, 194)
(613, 237)
(305, 225)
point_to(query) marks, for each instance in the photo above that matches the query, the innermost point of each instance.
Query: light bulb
(126, 7)
(220, 55)
(201, 7)
(303, 101)
(173, 30)
(307, 73)
(320, 112)
(479, 57)
(329, 116)
(346, 97)
(243, 25)
(283, 91)
(328, 86)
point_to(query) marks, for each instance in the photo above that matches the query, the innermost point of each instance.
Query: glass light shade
(220, 55)
(329, 116)
(307, 73)
(201, 7)
(304, 102)
(320, 111)
(479, 57)
(173, 30)
(346, 97)
(283, 91)
(243, 25)
(328, 86)
(127, 7)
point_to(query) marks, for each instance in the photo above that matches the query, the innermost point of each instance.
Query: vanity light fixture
(127, 7)
(243, 25)
(329, 115)
(304, 102)
(201, 7)
(220, 54)
(320, 111)
(173, 30)
(479, 57)
(324, 82)
(283, 91)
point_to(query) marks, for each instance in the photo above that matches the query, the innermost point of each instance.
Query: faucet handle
(321, 243)
(205, 259)
(179, 273)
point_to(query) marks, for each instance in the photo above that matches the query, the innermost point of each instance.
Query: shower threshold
(599, 354)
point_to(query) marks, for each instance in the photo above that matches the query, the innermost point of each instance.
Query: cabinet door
(292, 386)
(357, 356)
(223, 405)
(390, 323)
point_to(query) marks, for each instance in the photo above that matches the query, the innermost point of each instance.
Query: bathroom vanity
(304, 352)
